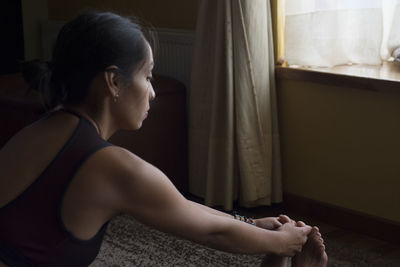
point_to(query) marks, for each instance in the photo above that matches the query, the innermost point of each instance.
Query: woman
(55, 209)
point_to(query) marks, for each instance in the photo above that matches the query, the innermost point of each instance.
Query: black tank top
(31, 229)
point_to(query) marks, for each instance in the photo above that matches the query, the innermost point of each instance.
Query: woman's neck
(98, 121)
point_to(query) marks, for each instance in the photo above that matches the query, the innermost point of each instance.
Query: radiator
(173, 57)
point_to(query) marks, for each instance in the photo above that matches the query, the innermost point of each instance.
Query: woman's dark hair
(84, 47)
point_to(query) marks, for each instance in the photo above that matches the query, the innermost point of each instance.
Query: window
(326, 33)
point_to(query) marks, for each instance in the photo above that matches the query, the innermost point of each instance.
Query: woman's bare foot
(313, 252)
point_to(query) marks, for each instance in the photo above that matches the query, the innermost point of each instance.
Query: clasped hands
(274, 223)
(294, 234)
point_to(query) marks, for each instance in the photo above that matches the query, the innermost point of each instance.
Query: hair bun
(37, 74)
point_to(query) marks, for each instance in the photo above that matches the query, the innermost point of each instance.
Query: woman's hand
(273, 223)
(269, 223)
(285, 219)
(292, 238)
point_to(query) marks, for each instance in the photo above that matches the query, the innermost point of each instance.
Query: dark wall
(12, 37)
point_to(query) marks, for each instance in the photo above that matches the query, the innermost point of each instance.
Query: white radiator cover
(173, 57)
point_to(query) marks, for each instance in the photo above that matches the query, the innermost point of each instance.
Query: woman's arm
(145, 192)
(210, 210)
(270, 223)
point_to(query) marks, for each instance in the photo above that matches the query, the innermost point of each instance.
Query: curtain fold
(233, 128)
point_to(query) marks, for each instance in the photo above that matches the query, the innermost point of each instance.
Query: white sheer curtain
(394, 33)
(328, 33)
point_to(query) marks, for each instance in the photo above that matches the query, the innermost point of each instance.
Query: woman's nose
(152, 92)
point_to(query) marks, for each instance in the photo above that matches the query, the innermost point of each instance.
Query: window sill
(385, 77)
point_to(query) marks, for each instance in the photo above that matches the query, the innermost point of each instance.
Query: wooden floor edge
(344, 218)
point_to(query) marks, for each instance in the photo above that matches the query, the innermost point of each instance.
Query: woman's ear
(113, 82)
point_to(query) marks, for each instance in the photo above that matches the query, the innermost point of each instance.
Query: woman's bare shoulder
(133, 183)
(120, 165)
(119, 159)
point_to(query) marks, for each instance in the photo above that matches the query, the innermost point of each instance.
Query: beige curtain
(233, 129)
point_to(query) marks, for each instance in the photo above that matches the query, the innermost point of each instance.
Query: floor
(368, 244)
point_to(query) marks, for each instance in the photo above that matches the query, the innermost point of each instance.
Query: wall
(341, 146)
(174, 14)
(177, 14)
(33, 12)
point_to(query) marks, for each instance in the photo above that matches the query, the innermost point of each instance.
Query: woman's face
(133, 103)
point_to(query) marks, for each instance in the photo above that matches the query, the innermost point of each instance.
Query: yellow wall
(341, 146)
(178, 14)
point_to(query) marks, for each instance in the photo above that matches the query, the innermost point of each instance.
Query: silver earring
(116, 97)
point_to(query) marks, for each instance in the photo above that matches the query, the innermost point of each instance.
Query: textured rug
(130, 243)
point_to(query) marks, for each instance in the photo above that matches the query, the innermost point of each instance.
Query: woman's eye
(150, 78)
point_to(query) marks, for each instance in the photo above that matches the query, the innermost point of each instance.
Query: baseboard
(344, 218)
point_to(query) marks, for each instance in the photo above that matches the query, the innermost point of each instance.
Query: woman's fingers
(285, 219)
(300, 224)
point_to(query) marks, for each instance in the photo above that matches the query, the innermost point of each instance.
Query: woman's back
(28, 153)
(43, 175)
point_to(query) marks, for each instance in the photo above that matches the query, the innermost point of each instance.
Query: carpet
(130, 243)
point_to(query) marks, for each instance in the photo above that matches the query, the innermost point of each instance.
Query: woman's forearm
(239, 237)
(211, 210)
(239, 232)
(221, 231)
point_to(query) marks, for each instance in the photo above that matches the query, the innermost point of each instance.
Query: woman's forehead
(149, 56)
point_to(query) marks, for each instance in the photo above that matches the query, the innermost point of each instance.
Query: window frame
(344, 76)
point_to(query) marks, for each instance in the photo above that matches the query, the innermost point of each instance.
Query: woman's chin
(132, 126)
(137, 126)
